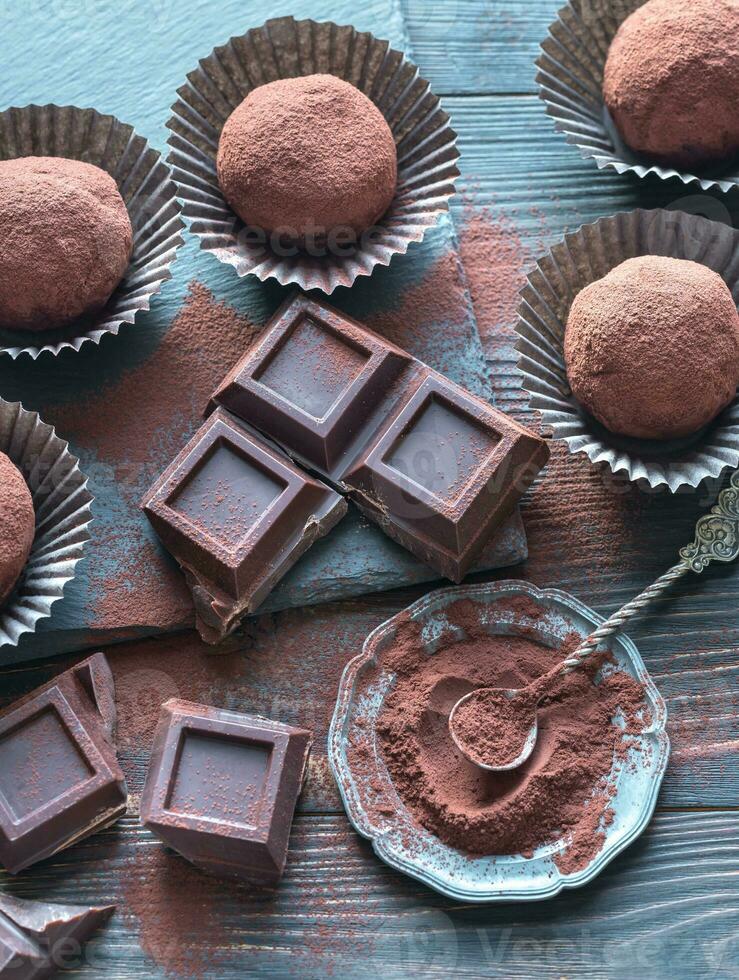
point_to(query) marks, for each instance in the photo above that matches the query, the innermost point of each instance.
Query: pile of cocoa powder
(564, 789)
(492, 727)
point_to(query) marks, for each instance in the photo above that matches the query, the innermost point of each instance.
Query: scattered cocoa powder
(262, 671)
(149, 672)
(136, 426)
(177, 906)
(193, 925)
(563, 789)
(496, 262)
(431, 320)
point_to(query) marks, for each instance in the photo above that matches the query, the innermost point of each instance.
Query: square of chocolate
(237, 514)
(444, 472)
(221, 789)
(312, 382)
(59, 776)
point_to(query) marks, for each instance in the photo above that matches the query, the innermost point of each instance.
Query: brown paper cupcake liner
(581, 258)
(146, 186)
(570, 79)
(286, 48)
(62, 504)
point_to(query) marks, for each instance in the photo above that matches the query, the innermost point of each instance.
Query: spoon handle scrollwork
(716, 539)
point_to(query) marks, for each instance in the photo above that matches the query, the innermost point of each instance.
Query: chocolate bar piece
(436, 467)
(443, 473)
(221, 789)
(237, 514)
(313, 383)
(38, 938)
(59, 776)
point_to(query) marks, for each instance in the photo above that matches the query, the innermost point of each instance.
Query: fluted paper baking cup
(570, 79)
(581, 258)
(146, 186)
(286, 48)
(62, 504)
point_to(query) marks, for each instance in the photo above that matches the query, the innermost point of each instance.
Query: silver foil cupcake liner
(146, 186)
(581, 258)
(286, 48)
(570, 79)
(62, 504)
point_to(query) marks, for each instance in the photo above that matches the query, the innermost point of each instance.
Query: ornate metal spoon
(480, 721)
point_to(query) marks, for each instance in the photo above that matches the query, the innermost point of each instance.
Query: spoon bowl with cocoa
(497, 728)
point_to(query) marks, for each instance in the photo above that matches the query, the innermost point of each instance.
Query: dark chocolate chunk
(59, 776)
(436, 467)
(237, 514)
(444, 473)
(38, 938)
(313, 382)
(222, 787)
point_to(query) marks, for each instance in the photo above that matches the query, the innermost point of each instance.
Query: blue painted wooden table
(669, 906)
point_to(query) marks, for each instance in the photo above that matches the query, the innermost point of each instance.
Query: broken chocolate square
(312, 382)
(437, 468)
(237, 514)
(222, 787)
(38, 938)
(443, 472)
(59, 776)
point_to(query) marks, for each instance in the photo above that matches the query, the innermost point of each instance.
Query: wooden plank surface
(669, 906)
(665, 908)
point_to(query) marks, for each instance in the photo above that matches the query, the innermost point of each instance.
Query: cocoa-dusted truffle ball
(671, 81)
(17, 525)
(306, 156)
(652, 349)
(65, 241)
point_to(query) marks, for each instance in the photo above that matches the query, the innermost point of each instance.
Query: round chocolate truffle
(671, 81)
(305, 157)
(65, 241)
(17, 525)
(652, 348)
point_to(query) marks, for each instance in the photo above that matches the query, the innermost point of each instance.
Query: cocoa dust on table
(563, 789)
(281, 666)
(428, 315)
(136, 426)
(496, 262)
(193, 925)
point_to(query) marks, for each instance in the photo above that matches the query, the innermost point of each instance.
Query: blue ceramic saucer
(376, 810)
